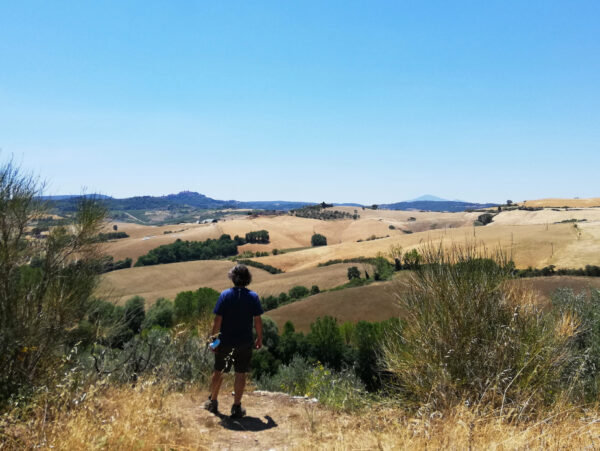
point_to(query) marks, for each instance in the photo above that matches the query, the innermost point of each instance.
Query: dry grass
(153, 282)
(286, 232)
(538, 245)
(146, 418)
(377, 302)
(556, 203)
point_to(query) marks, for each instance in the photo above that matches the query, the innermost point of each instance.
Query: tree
(315, 289)
(318, 240)
(509, 202)
(135, 313)
(353, 273)
(326, 342)
(485, 218)
(412, 259)
(160, 314)
(41, 303)
(374, 207)
(260, 236)
(298, 292)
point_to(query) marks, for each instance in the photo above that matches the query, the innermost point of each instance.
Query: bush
(173, 356)
(318, 240)
(337, 390)
(268, 268)
(315, 289)
(470, 337)
(382, 268)
(585, 307)
(160, 314)
(353, 273)
(183, 251)
(189, 306)
(269, 303)
(326, 342)
(40, 305)
(135, 313)
(298, 292)
(485, 218)
(260, 236)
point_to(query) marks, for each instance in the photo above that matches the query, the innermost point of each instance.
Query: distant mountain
(428, 197)
(72, 196)
(170, 201)
(200, 201)
(436, 205)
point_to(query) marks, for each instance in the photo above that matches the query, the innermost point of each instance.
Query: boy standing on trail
(236, 311)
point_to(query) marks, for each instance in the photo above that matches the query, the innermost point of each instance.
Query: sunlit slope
(375, 302)
(556, 202)
(562, 245)
(285, 231)
(153, 282)
(378, 301)
(546, 216)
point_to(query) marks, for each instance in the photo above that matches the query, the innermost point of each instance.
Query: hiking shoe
(212, 405)
(237, 411)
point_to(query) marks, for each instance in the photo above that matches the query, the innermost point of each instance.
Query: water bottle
(215, 343)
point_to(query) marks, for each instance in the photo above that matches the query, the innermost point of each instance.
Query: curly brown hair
(240, 275)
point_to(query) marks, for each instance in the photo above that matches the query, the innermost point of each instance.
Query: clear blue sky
(326, 100)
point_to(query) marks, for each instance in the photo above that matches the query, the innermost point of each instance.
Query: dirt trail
(273, 421)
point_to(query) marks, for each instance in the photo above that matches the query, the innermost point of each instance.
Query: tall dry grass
(471, 338)
(145, 416)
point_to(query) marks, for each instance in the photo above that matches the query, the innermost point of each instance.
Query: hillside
(153, 282)
(558, 203)
(377, 302)
(532, 238)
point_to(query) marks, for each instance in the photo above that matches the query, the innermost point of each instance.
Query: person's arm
(259, 332)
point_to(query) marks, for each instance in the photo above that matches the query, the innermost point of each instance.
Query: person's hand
(258, 343)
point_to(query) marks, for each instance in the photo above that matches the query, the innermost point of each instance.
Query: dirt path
(264, 428)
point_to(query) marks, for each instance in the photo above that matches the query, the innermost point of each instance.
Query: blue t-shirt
(238, 307)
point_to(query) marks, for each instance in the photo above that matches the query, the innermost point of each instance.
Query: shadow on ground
(246, 423)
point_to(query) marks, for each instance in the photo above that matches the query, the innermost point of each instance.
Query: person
(237, 309)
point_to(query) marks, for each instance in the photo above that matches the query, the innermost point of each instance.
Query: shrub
(190, 306)
(353, 273)
(160, 314)
(173, 356)
(268, 268)
(183, 251)
(318, 240)
(135, 313)
(315, 289)
(40, 305)
(337, 390)
(298, 292)
(471, 337)
(485, 218)
(586, 307)
(269, 303)
(382, 268)
(326, 342)
(260, 236)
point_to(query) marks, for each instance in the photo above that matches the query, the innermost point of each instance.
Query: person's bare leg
(215, 385)
(238, 385)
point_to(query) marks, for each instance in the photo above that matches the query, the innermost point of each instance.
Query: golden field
(530, 238)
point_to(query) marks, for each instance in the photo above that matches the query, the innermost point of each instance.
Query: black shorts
(239, 357)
